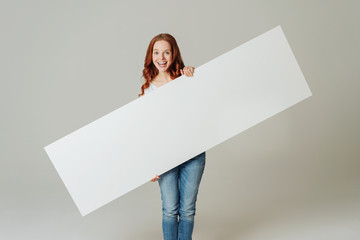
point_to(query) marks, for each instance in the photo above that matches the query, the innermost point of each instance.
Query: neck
(163, 77)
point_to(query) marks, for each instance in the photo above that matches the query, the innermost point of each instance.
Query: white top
(151, 88)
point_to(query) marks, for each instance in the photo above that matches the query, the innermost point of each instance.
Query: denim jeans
(179, 188)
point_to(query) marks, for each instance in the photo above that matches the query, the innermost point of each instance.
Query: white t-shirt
(151, 88)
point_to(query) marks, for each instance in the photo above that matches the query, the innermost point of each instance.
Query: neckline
(160, 86)
(154, 85)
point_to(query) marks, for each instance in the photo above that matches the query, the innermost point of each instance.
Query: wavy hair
(150, 71)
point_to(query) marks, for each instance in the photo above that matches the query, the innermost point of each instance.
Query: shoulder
(147, 90)
(150, 88)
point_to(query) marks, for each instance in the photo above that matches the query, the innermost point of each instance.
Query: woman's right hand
(155, 178)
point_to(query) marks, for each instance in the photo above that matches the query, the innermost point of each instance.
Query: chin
(163, 70)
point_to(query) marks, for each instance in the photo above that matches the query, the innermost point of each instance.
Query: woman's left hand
(188, 71)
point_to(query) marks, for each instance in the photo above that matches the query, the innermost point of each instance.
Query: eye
(168, 53)
(155, 53)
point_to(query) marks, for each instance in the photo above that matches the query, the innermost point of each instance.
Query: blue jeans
(179, 188)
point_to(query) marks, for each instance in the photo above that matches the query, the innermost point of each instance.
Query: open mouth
(162, 64)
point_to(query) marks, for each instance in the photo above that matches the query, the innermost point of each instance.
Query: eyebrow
(158, 50)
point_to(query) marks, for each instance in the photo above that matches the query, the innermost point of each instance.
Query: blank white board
(154, 133)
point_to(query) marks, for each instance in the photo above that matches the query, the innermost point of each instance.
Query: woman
(179, 186)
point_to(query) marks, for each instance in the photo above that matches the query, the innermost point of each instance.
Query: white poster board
(227, 95)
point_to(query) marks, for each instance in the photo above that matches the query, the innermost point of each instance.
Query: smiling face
(161, 55)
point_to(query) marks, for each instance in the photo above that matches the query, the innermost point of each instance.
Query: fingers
(188, 71)
(155, 178)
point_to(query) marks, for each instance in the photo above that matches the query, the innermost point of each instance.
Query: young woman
(179, 186)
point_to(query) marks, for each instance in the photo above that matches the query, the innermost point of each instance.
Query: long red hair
(150, 71)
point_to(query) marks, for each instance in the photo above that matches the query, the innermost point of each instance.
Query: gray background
(66, 63)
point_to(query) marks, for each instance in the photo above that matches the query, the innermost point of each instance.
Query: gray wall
(66, 63)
